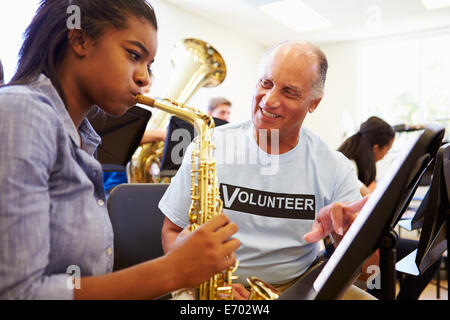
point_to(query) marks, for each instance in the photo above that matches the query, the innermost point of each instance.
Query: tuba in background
(196, 64)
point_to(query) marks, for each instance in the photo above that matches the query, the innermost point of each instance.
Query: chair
(136, 222)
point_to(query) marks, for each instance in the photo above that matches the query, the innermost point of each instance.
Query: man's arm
(169, 233)
(151, 135)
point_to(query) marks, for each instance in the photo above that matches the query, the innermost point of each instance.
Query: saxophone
(206, 203)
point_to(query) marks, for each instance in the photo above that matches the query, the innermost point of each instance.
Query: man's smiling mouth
(268, 114)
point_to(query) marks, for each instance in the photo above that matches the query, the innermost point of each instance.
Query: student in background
(367, 146)
(370, 144)
(220, 107)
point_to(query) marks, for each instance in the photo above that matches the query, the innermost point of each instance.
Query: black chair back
(136, 222)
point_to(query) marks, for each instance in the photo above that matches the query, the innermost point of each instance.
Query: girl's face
(116, 66)
(379, 153)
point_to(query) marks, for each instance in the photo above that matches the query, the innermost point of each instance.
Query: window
(15, 16)
(406, 81)
(436, 79)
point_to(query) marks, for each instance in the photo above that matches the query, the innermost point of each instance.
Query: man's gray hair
(317, 88)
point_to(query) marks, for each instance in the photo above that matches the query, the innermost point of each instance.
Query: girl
(53, 216)
(369, 145)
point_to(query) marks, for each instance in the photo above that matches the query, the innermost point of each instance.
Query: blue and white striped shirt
(53, 214)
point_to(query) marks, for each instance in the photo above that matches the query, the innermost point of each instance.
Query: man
(220, 108)
(284, 210)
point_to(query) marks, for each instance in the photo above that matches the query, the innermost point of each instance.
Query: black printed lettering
(279, 205)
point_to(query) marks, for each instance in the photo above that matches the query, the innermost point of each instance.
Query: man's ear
(314, 105)
(78, 41)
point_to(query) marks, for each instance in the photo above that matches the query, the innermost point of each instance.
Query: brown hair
(46, 36)
(214, 102)
(359, 147)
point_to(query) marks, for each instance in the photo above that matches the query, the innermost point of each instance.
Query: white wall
(337, 113)
(241, 56)
(15, 16)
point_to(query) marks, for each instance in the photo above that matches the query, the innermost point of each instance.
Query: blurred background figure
(369, 145)
(220, 107)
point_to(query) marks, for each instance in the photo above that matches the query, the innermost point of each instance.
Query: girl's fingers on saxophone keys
(216, 223)
(228, 252)
(229, 260)
(231, 245)
(226, 232)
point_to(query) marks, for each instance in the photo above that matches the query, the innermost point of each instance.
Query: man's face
(282, 96)
(222, 111)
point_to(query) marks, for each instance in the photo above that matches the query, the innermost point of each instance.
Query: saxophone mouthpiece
(145, 100)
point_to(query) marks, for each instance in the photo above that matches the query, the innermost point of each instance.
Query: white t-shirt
(272, 198)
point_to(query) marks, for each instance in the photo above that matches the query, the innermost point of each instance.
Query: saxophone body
(205, 198)
(206, 202)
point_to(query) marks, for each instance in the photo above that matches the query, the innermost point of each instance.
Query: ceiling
(351, 19)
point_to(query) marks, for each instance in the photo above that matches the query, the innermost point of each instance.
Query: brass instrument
(196, 64)
(206, 202)
(260, 290)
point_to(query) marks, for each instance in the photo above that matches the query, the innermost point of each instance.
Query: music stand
(416, 221)
(179, 135)
(434, 237)
(120, 137)
(382, 210)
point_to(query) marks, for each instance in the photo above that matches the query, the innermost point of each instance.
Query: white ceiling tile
(352, 19)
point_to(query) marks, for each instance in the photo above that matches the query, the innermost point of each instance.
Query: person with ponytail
(369, 145)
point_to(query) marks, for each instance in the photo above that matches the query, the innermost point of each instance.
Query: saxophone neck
(201, 122)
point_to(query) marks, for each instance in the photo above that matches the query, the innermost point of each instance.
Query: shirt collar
(89, 138)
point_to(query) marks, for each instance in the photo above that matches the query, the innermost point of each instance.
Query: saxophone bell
(261, 290)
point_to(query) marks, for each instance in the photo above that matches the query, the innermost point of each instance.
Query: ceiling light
(435, 4)
(296, 15)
